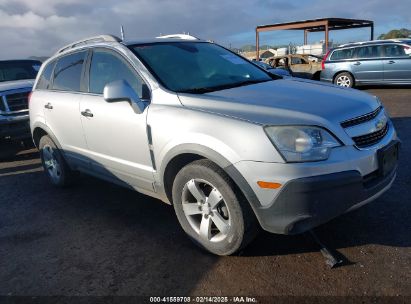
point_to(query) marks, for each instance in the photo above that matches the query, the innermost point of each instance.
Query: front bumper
(15, 127)
(314, 193)
(308, 202)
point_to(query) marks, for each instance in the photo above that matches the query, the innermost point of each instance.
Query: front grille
(17, 101)
(370, 139)
(361, 119)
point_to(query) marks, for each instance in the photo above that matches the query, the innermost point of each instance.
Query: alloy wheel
(344, 81)
(206, 210)
(51, 163)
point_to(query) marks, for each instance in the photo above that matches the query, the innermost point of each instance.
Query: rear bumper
(311, 201)
(15, 127)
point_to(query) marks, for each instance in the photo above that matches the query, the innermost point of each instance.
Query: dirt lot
(98, 239)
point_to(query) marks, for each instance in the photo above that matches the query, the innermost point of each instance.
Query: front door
(397, 63)
(116, 136)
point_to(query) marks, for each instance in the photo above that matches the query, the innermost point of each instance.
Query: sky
(40, 27)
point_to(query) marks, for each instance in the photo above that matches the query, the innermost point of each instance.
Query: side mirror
(120, 90)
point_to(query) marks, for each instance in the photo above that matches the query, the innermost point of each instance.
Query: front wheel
(344, 80)
(211, 210)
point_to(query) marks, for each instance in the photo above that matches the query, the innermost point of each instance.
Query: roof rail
(101, 38)
(179, 36)
(399, 40)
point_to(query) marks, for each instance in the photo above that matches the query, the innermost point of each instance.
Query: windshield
(18, 69)
(197, 67)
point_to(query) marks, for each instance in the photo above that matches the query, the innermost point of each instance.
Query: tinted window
(18, 69)
(394, 50)
(45, 77)
(369, 51)
(343, 54)
(107, 67)
(67, 74)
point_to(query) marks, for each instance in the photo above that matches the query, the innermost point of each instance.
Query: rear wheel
(53, 163)
(344, 80)
(211, 210)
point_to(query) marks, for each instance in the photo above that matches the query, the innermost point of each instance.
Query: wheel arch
(39, 130)
(182, 155)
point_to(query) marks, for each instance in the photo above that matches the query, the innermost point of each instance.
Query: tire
(344, 80)
(55, 167)
(224, 223)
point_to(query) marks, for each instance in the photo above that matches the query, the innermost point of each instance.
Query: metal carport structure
(315, 25)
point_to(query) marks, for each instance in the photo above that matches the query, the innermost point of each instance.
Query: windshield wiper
(223, 87)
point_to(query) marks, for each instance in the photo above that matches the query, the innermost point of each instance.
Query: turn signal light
(268, 185)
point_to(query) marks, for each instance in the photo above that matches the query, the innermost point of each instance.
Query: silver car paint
(379, 70)
(224, 126)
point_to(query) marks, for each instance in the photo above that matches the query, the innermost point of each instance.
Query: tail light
(29, 97)
(324, 59)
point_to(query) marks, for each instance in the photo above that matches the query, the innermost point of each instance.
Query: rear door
(300, 67)
(368, 64)
(397, 63)
(62, 103)
(117, 140)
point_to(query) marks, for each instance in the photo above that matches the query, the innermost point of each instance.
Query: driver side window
(106, 67)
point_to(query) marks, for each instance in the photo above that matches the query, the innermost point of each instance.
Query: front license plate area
(387, 158)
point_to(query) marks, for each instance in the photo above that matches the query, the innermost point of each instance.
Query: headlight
(302, 143)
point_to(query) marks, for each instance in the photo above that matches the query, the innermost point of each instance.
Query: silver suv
(230, 146)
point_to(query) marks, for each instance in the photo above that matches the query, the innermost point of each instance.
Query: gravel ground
(95, 238)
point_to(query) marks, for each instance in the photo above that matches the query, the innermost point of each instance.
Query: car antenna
(122, 33)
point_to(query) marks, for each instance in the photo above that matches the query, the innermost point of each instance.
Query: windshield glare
(197, 67)
(18, 70)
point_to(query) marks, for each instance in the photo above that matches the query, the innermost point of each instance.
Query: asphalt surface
(95, 238)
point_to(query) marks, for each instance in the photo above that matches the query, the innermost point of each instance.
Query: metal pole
(326, 37)
(372, 31)
(257, 45)
(305, 37)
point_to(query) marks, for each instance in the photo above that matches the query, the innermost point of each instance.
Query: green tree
(401, 33)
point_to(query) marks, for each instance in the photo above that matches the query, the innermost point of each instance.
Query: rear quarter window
(45, 77)
(343, 54)
(68, 72)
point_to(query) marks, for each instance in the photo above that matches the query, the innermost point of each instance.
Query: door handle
(48, 106)
(391, 62)
(87, 113)
(357, 63)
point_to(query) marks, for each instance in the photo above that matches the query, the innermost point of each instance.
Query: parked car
(303, 66)
(230, 146)
(270, 69)
(369, 63)
(16, 81)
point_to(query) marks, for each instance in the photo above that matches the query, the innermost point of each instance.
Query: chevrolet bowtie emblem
(380, 123)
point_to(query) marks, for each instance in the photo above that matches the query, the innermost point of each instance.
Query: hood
(286, 101)
(16, 84)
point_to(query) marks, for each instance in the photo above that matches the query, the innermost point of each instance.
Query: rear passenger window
(373, 51)
(45, 77)
(343, 54)
(107, 67)
(67, 74)
(394, 50)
